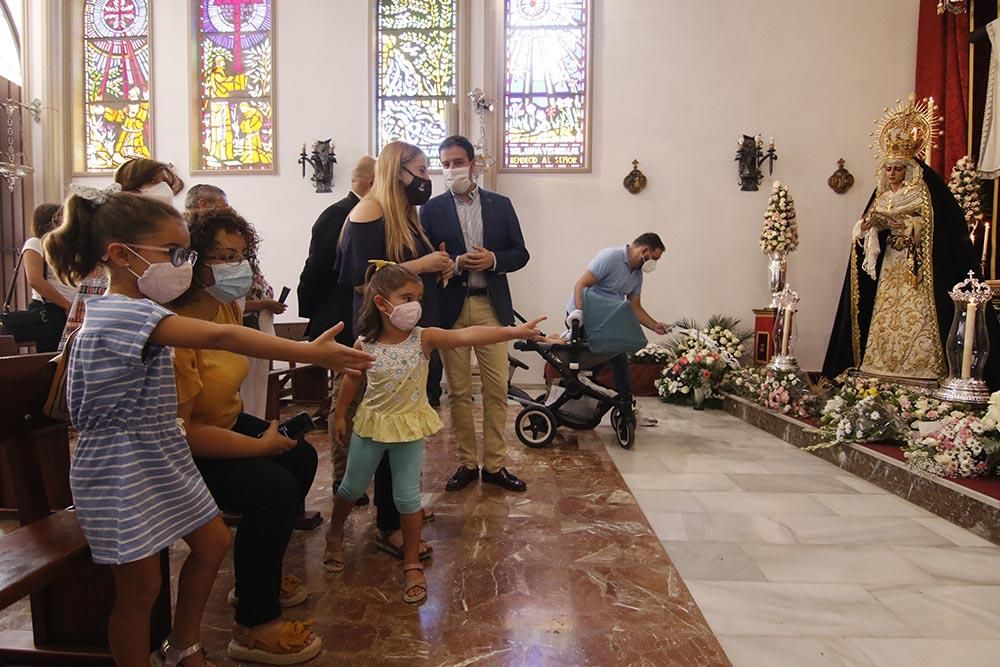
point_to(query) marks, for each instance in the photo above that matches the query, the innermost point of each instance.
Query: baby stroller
(610, 328)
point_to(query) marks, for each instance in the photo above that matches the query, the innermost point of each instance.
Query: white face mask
(406, 315)
(162, 282)
(649, 266)
(459, 179)
(160, 191)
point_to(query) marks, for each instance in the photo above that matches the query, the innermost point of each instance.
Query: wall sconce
(322, 160)
(750, 155)
(12, 167)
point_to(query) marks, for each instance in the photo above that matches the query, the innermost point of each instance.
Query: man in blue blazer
(480, 231)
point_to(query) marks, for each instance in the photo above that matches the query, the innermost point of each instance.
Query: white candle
(970, 336)
(772, 142)
(786, 331)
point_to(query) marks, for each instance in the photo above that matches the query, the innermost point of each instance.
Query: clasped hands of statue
(901, 231)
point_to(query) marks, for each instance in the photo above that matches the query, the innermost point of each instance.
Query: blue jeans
(405, 459)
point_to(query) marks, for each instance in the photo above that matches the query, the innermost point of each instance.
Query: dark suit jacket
(321, 298)
(501, 236)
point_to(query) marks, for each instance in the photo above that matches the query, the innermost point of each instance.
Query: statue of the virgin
(908, 250)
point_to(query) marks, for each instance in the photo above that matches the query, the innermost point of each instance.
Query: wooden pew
(48, 557)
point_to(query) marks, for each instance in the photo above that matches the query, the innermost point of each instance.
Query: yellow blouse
(212, 378)
(395, 408)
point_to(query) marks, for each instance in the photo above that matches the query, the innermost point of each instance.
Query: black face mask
(419, 189)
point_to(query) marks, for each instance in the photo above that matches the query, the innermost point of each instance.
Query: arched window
(415, 73)
(117, 119)
(11, 12)
(546, 100)
(235, 84)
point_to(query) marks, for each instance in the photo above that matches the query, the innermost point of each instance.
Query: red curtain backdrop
(943, 73)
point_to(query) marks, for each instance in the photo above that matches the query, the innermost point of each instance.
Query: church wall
(675, 84)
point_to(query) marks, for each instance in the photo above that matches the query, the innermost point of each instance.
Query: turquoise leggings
(405, 459)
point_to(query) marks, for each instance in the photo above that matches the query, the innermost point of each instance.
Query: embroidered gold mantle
(904, 339)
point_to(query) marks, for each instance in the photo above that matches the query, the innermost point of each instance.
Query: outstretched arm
(588, 279)
(187, 332)
(645, 319)
(444, 339)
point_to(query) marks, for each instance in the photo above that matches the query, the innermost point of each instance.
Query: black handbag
(26, 326)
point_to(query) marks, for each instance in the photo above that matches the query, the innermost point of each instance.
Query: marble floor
(796, 562)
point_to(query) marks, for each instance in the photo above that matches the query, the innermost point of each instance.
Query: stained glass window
(116, 113)
(546, 84)
(415, 72)
(236, 129)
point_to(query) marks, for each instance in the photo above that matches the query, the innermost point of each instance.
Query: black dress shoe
(504, 478)
(360, 502)
(461, 479)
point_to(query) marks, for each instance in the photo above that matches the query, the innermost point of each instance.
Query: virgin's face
(894, 174)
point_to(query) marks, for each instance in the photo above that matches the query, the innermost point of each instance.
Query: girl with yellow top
(394, 416)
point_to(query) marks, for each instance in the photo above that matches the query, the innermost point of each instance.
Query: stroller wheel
(616, 416)
(624, 431)
(535, 426)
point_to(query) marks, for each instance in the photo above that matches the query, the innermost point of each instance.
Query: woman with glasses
(248, 465)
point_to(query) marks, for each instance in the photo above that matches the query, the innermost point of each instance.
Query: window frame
(78, 90)
(458, 113)
(194, 67)
(498, 18)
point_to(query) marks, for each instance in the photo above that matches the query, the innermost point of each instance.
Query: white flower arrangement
(960, 447)
(965, 184)
(654, 353)
(780, 231)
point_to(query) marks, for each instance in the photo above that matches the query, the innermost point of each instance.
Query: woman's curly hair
(205, 224)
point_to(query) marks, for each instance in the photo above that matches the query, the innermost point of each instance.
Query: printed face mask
(162, 282)
(406, 315)
(459, 179)
(232, 281)
(160, 191)
(418, 191)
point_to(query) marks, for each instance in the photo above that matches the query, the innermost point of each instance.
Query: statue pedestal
(763, 325)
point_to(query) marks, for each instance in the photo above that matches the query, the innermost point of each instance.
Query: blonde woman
(385, 225)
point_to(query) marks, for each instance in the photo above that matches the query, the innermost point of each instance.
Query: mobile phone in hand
(297, 426)
(284, 294)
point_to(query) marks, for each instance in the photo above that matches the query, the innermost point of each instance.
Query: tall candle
(786, 331)
(970, 339)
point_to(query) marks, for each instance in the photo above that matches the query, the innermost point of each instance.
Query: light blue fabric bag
(611, 326)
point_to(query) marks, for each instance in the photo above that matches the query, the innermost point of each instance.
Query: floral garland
(780, 231)
(965, 184)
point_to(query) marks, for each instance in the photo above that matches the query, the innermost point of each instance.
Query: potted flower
(694, 377)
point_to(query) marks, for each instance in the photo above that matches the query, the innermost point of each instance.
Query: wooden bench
(298, 383)
(47, 558)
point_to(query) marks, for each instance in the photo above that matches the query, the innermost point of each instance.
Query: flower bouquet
(723, 334)
(693, 377)
(782, 391)
(965, 184)
(870, 419)
(654, 353)
(963, 446)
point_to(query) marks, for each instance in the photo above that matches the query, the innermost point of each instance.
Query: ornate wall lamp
(750, 156)
(322, 160)
(12, 167)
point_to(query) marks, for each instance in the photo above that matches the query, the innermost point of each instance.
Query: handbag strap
(13, 284)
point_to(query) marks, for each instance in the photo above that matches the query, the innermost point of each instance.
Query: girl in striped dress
(135, 487)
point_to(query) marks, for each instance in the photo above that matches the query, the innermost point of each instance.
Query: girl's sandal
(293, 642)
(416, 592)
(170, 656)
(333, 558)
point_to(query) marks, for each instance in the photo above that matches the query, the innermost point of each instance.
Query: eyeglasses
(178, 255)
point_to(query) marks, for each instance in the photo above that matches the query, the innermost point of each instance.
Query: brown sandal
(421, 588)
(290, 645)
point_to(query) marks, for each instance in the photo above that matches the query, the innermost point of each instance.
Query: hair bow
(95, 195)
(381, 263)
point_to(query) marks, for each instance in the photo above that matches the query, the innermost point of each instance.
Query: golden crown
(907, 130)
